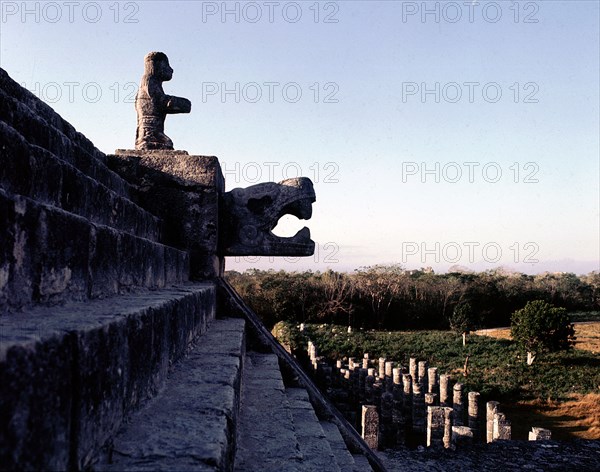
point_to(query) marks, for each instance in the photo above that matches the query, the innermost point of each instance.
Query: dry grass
(576, 418)
(587, 333)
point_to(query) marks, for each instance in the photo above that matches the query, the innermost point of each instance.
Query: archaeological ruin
(122, 346)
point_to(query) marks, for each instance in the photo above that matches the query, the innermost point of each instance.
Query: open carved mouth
(253, 213)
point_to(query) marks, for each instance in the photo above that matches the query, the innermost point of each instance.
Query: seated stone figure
(153, 105)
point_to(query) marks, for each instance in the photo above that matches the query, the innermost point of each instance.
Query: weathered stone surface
(34, 172)
(184, 191)
(70, 374)
(314, 447)
(249, 215)
(192, 421)
(370, 426)
(153, 105)
(266, 435)
(53, 256)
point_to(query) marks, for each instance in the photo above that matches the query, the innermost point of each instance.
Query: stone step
(50, 256)
(362, 464)
(266, 437)
(35, 172)
(190, 425)
(314, 446)
(343, 457)
(70, 374)
(40, 125)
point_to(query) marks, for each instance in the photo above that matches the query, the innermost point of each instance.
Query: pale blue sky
(364, 138)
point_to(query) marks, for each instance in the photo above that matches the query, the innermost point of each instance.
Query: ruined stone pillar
(432, 381)
(389, 369)
(381, 371)
(362, 377)
(431, 399)
(397, 412)
(502, 429)
(369, 383)
(365, 361)
(457, 404)
(444, 383)
(407, 401)
(461, 436)
(490, 410)
(351, 364)
(435, 427)
(448, 420)
(387, 436)
(412, 369)
(371, 371)
(418, 408)
(423, 365)
(370, 426)
(473, 410)
(540, 434)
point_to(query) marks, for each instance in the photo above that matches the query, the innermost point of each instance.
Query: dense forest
(392, 298)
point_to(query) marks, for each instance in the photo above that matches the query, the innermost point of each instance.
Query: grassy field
(578, 416)
(560, 391)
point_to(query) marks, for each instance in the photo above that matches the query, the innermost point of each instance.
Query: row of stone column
(395, 402)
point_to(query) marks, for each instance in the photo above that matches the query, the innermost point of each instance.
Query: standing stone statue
(153, 105)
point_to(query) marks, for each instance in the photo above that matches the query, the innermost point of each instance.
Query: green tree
(463, 320)
(541, 327)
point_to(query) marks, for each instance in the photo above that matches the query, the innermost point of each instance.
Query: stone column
(540, 434)
(473, 409)
(431, 399)
(432, 378)
(407, 401)
(502, 429)
(412, 369)
(397, 413)
(490, 410)
(381, 372)
(370, 426)
(435, 427)
(369, 394)
(444, 397)
(418, 408)
(389, 369)
(365, 361)
(387, 436)
(362, 377)
(351, 364)
(457, 404)
(423, 375)
(448, 420)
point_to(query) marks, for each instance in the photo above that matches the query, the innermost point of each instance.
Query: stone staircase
(111, 357)
(225, 408)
